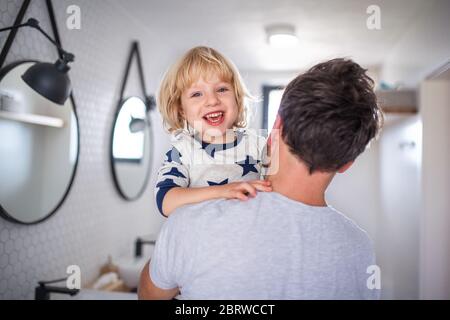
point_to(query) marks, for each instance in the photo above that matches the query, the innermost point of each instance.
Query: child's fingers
(262, 187)
(240, 195)
(261, 182)
(247, 187)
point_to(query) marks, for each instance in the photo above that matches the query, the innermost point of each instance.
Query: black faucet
(42, 292)
(138, 246)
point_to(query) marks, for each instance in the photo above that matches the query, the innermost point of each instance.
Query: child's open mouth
(214, 118)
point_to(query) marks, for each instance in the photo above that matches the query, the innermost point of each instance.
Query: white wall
(381, 193)
(424, 47)
(398, 224)
(435, 220)
(421, 50)
(356, 194)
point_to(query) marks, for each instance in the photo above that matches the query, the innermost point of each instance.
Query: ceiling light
(281, 35)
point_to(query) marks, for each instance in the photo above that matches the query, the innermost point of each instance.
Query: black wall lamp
(49, 80)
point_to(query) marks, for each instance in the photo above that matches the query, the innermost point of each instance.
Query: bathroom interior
(77, 173)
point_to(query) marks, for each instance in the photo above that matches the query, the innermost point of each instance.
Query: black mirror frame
(3, 212)
(149, 102)
(3, 54)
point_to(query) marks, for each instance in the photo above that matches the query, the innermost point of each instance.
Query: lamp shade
(137, 125)
(281, 35)
(49, 80)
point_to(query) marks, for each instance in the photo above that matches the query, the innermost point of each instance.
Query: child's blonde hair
(198, 62)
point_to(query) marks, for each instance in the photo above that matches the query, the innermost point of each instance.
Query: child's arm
(177, 197)
(172, 174)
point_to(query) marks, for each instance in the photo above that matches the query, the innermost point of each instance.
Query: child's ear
(181, 112)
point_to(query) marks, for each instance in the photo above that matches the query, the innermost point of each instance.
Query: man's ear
(278, 123)
(275, 129)
(345, 167)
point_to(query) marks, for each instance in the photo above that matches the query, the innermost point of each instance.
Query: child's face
(210, 106)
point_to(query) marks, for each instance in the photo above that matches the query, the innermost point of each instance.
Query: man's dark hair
(330, 114)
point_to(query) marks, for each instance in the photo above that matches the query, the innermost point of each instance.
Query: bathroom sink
(91, 294)
(130, 269)
(130, 266)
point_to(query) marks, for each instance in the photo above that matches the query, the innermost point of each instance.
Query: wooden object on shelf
(118, 286)
(397, 101)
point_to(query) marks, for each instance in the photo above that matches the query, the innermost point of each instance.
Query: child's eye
(223, 89)
(195, 94)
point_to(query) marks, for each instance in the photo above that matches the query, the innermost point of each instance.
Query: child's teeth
(213, 115)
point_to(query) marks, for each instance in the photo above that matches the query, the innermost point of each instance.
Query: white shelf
(33, 119)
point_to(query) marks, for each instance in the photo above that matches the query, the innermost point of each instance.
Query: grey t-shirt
(268, 247)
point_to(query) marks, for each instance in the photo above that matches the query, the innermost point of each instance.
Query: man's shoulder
(338, 225)
(198, 211)
(206, 212)
(348, 227)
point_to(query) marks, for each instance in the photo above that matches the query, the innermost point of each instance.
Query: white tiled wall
(94, 221)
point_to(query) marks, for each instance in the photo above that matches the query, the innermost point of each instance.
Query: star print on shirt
(173, 155)
(174, 172)
(248, 165)
(212, 183)
(166, 183)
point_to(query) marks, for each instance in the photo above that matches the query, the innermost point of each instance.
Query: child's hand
(242, 190)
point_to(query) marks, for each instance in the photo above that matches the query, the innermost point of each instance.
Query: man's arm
(148, 291)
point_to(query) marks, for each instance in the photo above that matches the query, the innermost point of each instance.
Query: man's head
(329, 115)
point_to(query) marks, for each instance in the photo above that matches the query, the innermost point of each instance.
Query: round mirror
(38, 149)
(131, 148)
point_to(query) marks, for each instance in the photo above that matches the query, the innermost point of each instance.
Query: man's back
(269, 247)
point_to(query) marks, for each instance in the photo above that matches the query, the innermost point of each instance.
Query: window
(272, 98)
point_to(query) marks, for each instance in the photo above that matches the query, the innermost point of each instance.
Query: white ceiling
(326, 29)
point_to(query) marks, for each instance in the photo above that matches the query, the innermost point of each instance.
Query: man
(285, 244)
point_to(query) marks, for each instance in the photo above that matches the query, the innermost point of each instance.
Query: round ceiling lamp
(281, 35)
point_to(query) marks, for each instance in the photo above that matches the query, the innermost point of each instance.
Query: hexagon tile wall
(94, 221)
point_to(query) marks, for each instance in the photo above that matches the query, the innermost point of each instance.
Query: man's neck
(293, 180)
